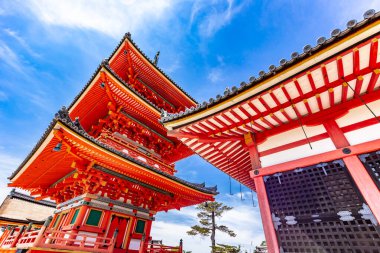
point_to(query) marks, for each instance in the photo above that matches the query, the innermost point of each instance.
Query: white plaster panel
(304, 84)
(364, 134)
(338, 94)
(332, 71)
(290, 136)
(364, 56)
(348, 64)
(317, 77)
(319, 147)
(359, 113)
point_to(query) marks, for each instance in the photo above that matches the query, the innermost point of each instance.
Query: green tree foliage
(207, 213)
(223, 248)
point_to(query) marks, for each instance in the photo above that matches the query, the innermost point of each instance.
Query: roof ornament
(252, 79)
(272, 68)
(227, 91)
(243, 84)
(295, 55)
(335, 33)
(307, 49)
(164, 113)
(262, 73)
(234, 89)
(218, 97)
(321, 40)
(352, 23)
(369, 14)
(283, 62)
(128, 35)
(156, 57)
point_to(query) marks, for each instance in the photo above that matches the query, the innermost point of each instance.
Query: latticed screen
(319, 209)
(372, 163)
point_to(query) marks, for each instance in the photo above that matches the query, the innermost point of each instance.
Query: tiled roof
(18, 195)
(370, 16)
(63, 117)
(128, 37)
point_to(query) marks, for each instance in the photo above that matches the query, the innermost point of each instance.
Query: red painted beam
(365, 183)
(266, 216)
(316, 159)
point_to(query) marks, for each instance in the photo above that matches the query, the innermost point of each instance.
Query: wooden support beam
(364, 183)
(266, 216)
(319, 158)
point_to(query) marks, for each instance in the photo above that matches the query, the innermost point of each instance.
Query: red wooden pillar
(356, 168)
(266, 215)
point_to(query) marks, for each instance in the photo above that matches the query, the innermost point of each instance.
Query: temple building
(21, 209)
(305, 135)
(108, 163)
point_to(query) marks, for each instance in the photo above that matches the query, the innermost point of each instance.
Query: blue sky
(49, 50)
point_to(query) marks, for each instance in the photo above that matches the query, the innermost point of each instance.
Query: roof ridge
(19, 195)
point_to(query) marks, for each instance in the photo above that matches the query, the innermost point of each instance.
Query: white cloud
(10, 58)
(215, 75)
(243, 219)
(21, 41)
(113, 18)
(214, 15)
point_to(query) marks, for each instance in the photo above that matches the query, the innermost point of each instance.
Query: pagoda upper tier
(122, 103)
(67, 162)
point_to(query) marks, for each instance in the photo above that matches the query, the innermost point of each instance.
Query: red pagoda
(305, 136)
(108, 163)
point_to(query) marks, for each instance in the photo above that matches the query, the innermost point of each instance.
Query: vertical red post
(356, 168)
(266, 215)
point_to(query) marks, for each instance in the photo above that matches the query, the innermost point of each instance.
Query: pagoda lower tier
(106, 198)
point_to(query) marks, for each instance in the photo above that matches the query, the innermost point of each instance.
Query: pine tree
(208, 212)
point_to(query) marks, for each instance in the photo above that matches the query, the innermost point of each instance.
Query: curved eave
(114, 155)
(368, 29)
(117, 79)
(127, 38)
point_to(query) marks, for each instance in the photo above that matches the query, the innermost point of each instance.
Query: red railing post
(142, 244)
(40, 235)
(113, 241)
(180, 246)
(18, 236)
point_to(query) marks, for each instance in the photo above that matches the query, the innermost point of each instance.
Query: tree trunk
(213, 232)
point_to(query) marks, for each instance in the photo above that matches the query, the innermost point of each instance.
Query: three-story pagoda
(108, 162)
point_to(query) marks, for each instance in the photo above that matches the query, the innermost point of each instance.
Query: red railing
(76, 241)
(28, 239)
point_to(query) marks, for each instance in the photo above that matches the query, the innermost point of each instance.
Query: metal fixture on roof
(335, 32)
(252, 79)
(272, 68)
(283, 62)
(307, 48)
(156, 57)
(58, 147)
(352, 23)
(369, 14)
(234, 89)
(321, 40)
(218, 97)
(262, 73)
(243, 84)
(211, 100)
